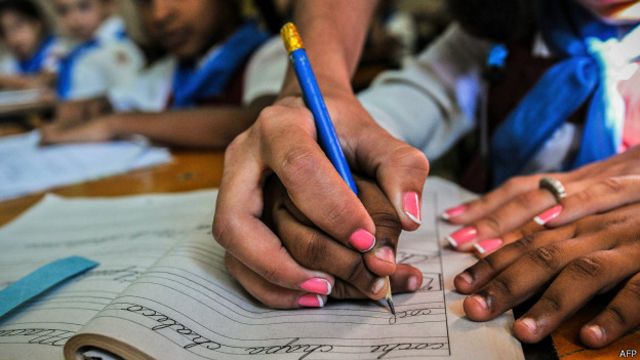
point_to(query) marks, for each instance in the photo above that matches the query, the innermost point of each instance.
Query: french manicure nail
(377, 286)
(529, 324)
(597, 332)
(488, 245)
(453, 212)
(548, 215)
(311, 301)
(317, 285)
(362, 240)
(386, 254)
(463, 236)
(411, 206)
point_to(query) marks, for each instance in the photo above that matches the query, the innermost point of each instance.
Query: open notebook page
(187, 307)
(126, 235)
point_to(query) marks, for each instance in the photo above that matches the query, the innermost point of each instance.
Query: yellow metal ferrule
(291, 38)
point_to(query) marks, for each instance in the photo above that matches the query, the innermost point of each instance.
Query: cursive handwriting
(123, 275)
(41, 336)
(166, 322)
(408, 313)
(385, 349)
(290, 348)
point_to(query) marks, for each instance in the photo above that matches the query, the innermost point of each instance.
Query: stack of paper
(26, 167)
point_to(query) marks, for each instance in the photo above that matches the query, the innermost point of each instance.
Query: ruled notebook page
(125, 235)
(186, 306)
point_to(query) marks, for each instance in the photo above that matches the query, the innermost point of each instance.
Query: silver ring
(555, 187)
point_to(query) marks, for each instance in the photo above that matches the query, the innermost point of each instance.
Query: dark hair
(25, 8)
(497, 20)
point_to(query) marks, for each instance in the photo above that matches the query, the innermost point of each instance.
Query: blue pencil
(315, 102)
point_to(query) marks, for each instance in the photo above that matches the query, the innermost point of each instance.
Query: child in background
(34, 56)
(100, 56)
(218, 74)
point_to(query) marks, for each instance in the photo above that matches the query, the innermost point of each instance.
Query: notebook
(162, 292)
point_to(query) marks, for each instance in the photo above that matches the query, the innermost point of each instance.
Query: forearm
(211, 128)
(26, 82)
(333, 32)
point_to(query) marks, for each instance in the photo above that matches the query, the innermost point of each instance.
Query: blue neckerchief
(571, 83)
(65, 74)
(35, 64)
(191, 83)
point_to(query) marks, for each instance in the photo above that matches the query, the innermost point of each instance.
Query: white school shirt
(432, 101)
(115, 62)
(9, 64)
(152, 89)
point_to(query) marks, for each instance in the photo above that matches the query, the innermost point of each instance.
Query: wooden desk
(189, 170)
(196, 170)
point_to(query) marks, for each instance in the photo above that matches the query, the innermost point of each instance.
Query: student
(260, 151)
(34, 54)
(218, 74)
(99, 55)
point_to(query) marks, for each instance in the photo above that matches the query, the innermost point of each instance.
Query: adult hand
(283, 142)
(519, 199)
(578, 260)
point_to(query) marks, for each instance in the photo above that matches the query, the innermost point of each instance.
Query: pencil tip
(391, 306)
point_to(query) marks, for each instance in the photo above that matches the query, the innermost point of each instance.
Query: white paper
(186, 306)
(26, 167)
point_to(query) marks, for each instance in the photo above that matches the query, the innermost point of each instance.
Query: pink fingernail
(386, 254)
(463, 236)
(548, 215)
(466, 277)
(311, 301)
(453, 212)
(411, 206)
(317, 285)
(362, 240)
(488, 246)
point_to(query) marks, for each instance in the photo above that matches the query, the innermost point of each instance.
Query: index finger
(315, 187)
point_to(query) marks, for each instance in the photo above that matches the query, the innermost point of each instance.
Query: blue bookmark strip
(42, 280)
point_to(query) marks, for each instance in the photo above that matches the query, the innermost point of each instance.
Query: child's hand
(519, 199)
(578, 261)
(357, 275)
(73, 112)
(97, 130)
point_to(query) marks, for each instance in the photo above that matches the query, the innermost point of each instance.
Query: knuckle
(547, 257)
(313, 251)
(551, 303)
(526, 242)
(525, 200)
(272, 271)
(386, 220)
(296, 163)
(586, 267)
(613, 184)
(340, 291)
(502, 285)
(616, 315)
(356, 271)
(493, 223)
(583, 197)
(633, 287)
